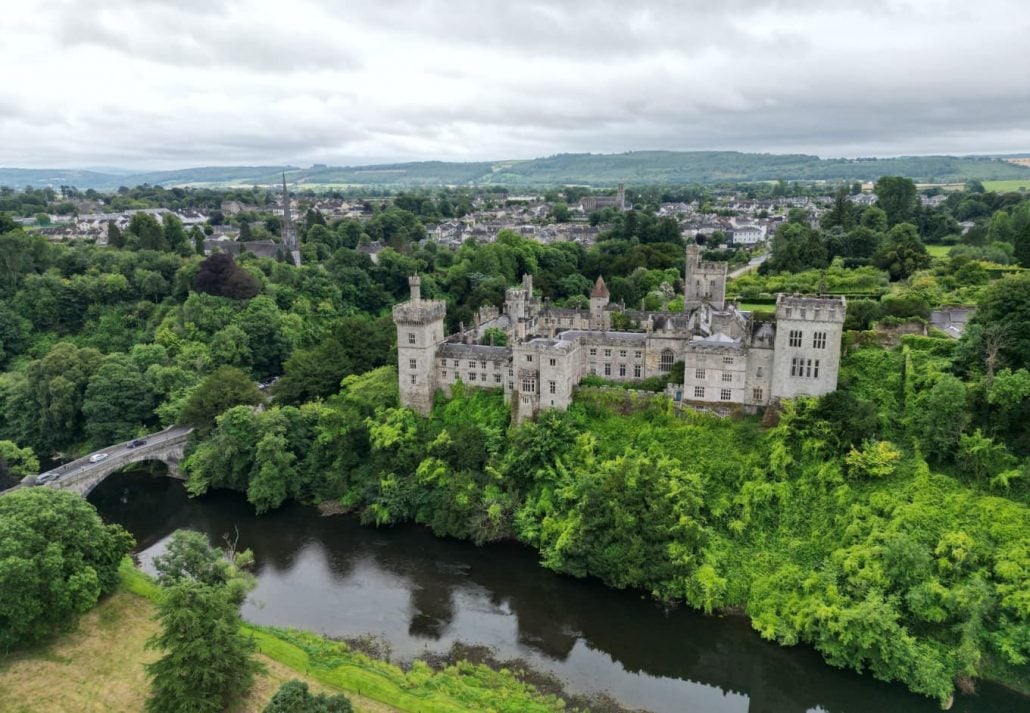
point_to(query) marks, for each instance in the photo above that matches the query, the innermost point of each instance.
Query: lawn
(938, 250)
(1013, 184)
(99, 668)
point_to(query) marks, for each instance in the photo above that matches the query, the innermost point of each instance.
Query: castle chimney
(415, 283)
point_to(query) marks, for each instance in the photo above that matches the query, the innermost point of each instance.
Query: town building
(729, 357)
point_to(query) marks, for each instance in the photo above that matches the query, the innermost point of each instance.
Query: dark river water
(422, 594)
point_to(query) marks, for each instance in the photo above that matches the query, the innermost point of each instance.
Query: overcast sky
(175, 83)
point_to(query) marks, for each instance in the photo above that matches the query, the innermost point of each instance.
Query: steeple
(289, 234)
(600, 289)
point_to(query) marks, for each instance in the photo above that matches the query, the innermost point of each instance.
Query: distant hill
(635, 168)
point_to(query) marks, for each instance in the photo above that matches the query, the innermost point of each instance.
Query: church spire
(289, 234)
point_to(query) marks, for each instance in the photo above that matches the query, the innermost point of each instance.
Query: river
(422, 594)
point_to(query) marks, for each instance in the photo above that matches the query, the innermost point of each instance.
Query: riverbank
(99, 667)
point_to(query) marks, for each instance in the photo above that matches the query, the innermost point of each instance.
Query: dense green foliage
(294, 697)
(56, 560)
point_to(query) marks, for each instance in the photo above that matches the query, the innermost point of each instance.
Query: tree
(147, 231)
(219, 275)
(902, 252)
(207, 662)
(115, 239)
(939, 416)
(294, 697)
(1001, 323)
(841, 215)
(560, 212)
(224, 388)
(118, 400)
(897, 197)
(174, 234)
(56, 559)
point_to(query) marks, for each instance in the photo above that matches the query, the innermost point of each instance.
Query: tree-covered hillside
(637, 167)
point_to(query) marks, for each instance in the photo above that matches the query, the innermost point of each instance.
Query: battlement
(716, 267)
(420, 312)
(824, 308)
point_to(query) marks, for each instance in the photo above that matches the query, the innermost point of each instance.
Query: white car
(97, 457)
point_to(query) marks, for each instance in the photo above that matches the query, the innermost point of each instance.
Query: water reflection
(422, 593)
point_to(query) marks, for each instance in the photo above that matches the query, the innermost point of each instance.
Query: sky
(176, 83)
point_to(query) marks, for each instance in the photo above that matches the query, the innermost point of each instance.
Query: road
(752, 265)
(116, 452)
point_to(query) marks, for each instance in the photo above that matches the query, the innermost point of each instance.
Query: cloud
(166, 83)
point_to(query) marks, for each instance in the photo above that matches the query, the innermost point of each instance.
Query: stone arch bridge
(82, 475)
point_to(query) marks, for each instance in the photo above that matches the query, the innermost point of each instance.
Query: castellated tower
(807, 353)
(419, 334)
(599, 297)
(703, 281)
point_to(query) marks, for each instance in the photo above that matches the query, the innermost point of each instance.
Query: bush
(294, 697)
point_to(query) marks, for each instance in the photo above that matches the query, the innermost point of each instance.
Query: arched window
(666, 363)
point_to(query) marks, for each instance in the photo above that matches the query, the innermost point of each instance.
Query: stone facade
(729, 358)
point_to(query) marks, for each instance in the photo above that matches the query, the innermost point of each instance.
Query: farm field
(1013, 184)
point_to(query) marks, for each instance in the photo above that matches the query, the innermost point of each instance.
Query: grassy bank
(99, 667)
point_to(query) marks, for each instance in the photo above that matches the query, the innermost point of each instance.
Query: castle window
(815, 372)
(529, 357)
(511, 372)
(607, 352)
(472, 376)
(727, 360)
(411, 337)
(552, 386)
(593, 351)
(699, 374)
(553, 362)
(795, 366)
(444, 374)
(607, 369)
(636, 371)
(497, 378)
(756, 395)
(795, 337)
(482, 365)
(472, 364)
(727, 377)
(528, 386)
(809, 374)
(699, 392)
(637, 355)
(622, 369)
(725, 395)
(412, 378)
(758, 371)
(511, 385)
(456, 364)
(819, 340)
(622, 353)
(665, 363)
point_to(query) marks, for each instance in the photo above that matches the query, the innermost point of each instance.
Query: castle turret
(703, 281)
(599, 297)
(419, 334)
(289, 232)
(807, 351)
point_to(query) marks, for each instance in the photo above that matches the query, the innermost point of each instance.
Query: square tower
(806, 359)
(419, 334)
(703, 281)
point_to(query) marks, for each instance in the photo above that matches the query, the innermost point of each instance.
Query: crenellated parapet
(419, 313)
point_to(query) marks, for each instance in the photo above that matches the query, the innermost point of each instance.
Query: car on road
(45, 478)
(97, 457)
(137, 443)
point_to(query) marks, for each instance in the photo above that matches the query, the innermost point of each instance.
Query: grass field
(99, 668)
(938, 250)
(1013, 184)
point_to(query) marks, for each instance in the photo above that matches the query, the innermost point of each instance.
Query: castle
(729, 357)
